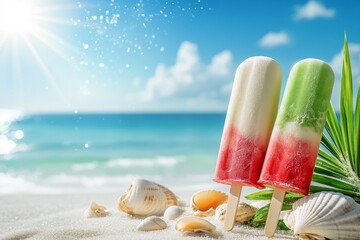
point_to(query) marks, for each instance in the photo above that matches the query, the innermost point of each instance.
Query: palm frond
(289, 199)
(330, 161)
(333, 129)
(337, 167)
(260, 217)
(357, 131)
(346, 106)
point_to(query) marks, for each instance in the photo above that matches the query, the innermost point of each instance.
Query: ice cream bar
(295, 140)
(249, 121)
(294, 144)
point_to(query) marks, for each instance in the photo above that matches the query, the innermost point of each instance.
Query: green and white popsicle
(290, 158)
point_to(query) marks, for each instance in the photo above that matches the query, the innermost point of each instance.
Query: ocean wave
(160, 161)
(9, 139)
(8, 147)
(8, 116)
(10, 184)
(94, 181)
(84, 166)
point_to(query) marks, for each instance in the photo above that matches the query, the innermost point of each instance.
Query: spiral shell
(146, 198)
(204, 202)
(325, 215)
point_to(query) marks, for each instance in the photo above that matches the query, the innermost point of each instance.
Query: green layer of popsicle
(307, 95)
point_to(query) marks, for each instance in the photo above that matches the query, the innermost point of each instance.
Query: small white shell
(151, 223)
(325, 215)
(192, 225)
(259, 203)
(244, 212)
(145, 198)
(204, 202)
(173, 212)
(96, 210)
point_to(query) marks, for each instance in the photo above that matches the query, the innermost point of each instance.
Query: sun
(28, 29)
(16, 17)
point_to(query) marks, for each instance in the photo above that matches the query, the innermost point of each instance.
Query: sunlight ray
(54, 43)
(54, 8)
(2, 41)
(39, 60)
(48, 19)
(16, 70)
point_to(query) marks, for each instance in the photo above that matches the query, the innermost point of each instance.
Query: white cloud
(313, 9)
(189, 78)
(274, 39)
(336, 64)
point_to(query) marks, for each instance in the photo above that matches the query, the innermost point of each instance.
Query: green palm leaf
(337, 167)
(357, 131)
(346, 106)
(333, 129)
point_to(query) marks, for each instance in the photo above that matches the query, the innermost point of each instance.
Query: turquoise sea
(57, 153)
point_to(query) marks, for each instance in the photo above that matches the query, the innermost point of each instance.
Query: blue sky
(162, 56)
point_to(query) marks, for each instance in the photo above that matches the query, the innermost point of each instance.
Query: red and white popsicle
(249, 121)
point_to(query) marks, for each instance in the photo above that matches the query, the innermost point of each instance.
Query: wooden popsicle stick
(274, 211)
(232, 205)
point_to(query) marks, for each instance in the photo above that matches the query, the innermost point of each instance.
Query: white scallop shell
(96, 210)
(244, 212)
(173, 212)
(145, 198)
(151, 223)
(204, 202)
(325, 215)
(192, 225)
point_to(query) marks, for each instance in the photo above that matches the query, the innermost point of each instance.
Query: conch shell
(204, 202)
(145, 198)
(96, 210)
(325, 215)
(193, 225)
(244, 212)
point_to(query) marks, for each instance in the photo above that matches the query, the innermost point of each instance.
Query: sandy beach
(62, 217)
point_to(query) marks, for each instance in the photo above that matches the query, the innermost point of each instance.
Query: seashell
(145, 198)
(96, 210)
(151, 223)
(259, 203)
(204, 202)
(244, 212)
(192, 225)
(173, 212)
(325, 215)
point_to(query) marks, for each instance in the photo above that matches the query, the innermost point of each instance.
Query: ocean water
(59, 153)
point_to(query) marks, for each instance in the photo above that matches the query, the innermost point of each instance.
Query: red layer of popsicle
(240, 159)
(289, 164)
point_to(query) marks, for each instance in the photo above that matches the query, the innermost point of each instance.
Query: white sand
(61, 217)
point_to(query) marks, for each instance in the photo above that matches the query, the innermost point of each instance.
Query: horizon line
(93, 112)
